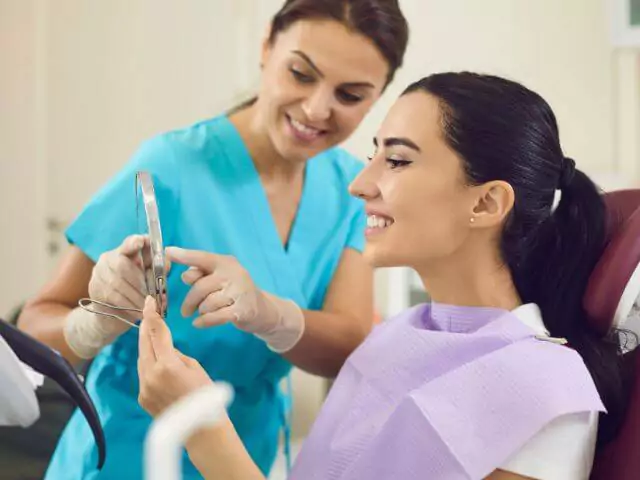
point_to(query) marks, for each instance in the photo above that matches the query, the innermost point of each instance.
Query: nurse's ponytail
(555, 233)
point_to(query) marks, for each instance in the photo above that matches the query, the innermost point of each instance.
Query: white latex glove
(117, 279)
(222, 291)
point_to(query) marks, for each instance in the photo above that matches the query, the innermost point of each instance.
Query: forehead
(415, 116)
(335, 49)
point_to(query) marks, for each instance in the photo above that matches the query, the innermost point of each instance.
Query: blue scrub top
(210, 198)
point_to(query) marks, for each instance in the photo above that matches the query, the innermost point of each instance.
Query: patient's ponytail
(560, 258)
(555, 233)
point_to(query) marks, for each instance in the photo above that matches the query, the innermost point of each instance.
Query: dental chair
(51, 364)
(612, 291)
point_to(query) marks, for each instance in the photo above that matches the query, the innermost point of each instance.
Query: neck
(268, 162)
(471, 278)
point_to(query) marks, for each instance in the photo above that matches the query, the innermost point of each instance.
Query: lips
(303, 131)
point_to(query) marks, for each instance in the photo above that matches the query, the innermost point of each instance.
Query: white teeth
(373, 221)
(304, 129)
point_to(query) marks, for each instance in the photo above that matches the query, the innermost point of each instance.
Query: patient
(498, 377)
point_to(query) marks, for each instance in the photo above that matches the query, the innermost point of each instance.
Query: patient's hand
(165, 374)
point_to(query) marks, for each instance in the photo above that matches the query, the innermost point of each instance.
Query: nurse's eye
(347, 97)
(301, 77)
(394, 162)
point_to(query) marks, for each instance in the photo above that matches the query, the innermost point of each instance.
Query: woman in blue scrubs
(264, 187)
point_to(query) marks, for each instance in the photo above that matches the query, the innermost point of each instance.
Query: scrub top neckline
(263, 215)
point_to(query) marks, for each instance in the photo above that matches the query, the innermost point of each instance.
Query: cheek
(428, 218)
(278, 89)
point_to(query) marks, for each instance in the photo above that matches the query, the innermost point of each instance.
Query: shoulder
(569, 384)
(185, 152)
(563, 449)
(339, 163)
(193, 140)
(545, 362)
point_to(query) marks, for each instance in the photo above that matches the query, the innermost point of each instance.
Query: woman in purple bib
(499, 377)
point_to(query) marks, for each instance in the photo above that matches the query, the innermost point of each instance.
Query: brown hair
(379, 20)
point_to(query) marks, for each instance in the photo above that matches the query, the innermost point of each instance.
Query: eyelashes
(393, 163)
(343, 96)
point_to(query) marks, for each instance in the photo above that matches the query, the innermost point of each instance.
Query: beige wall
(561, 49)
(21, 169)
(627, 118)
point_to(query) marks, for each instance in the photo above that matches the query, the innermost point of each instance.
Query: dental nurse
(265, 189)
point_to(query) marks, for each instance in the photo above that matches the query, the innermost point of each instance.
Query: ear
(494, 201)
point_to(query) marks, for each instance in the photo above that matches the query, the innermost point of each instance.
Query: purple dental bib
(442, 392)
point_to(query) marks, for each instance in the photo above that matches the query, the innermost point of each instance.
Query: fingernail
(198, 323)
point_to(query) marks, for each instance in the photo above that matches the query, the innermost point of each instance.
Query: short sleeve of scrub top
(111, 214)
(210, 198)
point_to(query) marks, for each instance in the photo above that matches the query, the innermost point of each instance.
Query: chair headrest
(614, 285)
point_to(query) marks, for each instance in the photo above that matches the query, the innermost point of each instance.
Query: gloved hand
(223, 291)
(117, 279)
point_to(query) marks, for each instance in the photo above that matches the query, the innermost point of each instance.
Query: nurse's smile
(303, 132)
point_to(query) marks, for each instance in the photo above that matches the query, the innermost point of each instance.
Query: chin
(293, 153)
(377, 258)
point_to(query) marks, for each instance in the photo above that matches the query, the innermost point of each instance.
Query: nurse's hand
(116, 279)
(165, 374)
(223, 291)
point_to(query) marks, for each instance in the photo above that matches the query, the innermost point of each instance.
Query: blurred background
(83, 82)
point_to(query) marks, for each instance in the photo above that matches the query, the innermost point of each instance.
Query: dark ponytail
(503, 131)
(561, 256)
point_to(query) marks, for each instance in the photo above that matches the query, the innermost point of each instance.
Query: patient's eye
(397, 162)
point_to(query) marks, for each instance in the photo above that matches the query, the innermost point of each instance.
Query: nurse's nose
(318, 105)
(365, 185)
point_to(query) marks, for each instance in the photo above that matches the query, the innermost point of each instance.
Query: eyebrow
(395, 141)
(313, 66)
